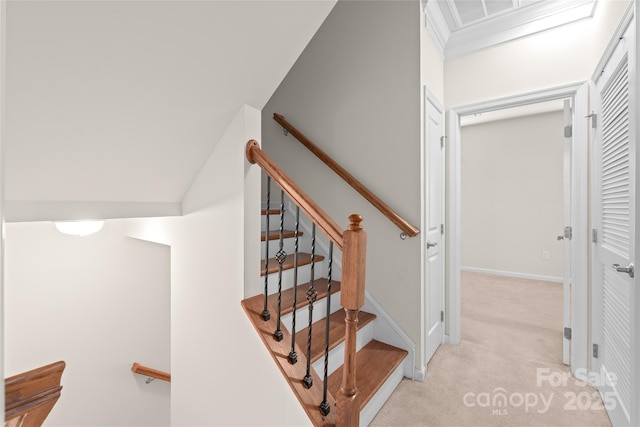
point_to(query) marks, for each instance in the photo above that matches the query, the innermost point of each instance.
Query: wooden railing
(150, 372)
(353, 242)
(403, 224)
(30, 396)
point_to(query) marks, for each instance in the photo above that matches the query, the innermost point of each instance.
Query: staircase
(379, 365)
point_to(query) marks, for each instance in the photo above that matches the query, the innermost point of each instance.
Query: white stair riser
(304, 276)
(319, 312)
(274, 222)
(336, 355)
(274, 247)
(304, 245)
(382, 395)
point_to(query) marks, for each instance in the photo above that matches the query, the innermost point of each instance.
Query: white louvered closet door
(615, 213)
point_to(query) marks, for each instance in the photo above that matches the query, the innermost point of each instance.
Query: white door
(566, 235)
(615, 288)
(434, 226)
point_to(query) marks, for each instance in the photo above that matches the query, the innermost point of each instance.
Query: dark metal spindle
(281, 256)
(265, 313)
(293, 356)
(324, 406)
(312, 294)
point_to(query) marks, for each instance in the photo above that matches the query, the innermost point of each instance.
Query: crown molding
(437, 27)
(503, 28)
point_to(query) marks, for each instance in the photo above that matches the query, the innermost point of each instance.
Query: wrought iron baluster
(293, 356)
(265, 312)
(312, 295)
(324, 406)
(281, 256)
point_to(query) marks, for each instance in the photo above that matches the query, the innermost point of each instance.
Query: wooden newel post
(352, 299)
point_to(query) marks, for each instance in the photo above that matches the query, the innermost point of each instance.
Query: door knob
(430, 245)
(560, 237)
(628, 269)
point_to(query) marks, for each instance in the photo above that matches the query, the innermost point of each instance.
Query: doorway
(515, 201)
(579, 208)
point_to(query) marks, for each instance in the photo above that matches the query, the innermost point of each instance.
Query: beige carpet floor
(508, 369)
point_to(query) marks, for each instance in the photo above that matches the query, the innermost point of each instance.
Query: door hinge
(441, 228)
(568, 232)
(568, 131)
(567, 333)
(594, 119)
(594, 235)
(442, 140)
(442, 316)
(595, 351)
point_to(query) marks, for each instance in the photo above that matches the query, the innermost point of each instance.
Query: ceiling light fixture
(79, 228)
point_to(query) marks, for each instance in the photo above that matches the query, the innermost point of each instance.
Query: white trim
(454, 225)
(513, 274)
(436, 27)
(533, 20)
(419, 374)
(388, 331)
(429, 99)
(505, 27)
(613, 43)
(579, 293)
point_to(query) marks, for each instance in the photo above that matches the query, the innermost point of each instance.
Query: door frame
(429, 98)
(634, 131)
(580, 200)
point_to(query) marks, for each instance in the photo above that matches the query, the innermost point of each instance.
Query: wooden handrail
(256, 155)
(353, 242)
(403, 224)
(150, 372)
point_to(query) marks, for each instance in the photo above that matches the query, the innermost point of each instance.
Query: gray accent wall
(355, 92)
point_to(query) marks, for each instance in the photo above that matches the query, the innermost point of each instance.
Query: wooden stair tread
(308, 398)
(375, 363)
(275, 234)
(337, 330)
(286, 303)
(271, 211)
(303, 259)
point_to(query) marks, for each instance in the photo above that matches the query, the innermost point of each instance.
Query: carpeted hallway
(508, 369)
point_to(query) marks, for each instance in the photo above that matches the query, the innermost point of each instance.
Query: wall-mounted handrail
(150, 372)
(311, 208)
(402, 223)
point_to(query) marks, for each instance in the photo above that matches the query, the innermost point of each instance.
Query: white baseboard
(513, 274)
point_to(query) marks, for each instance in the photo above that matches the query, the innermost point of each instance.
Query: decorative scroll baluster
(265, 312)
(281, 256)
(293, 356)
(312, 295)
(324, 406)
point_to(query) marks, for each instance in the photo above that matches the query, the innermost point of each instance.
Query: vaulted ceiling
(112, 107)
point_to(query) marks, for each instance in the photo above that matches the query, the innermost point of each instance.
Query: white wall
(355, 92)
(2, 84)
(222, 374)
(512, 195)
(431, 63)
(557, 57)
(99, 303)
